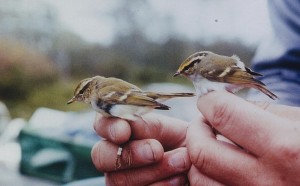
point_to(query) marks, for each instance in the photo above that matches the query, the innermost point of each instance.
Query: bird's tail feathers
(171, 95)
(165, 96)
(252, 72)
(162, 107)
(264, 90)
(168, 95)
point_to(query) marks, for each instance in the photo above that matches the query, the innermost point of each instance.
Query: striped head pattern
(187, 67)
(82, 90)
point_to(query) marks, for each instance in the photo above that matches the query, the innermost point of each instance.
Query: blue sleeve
(278, 57)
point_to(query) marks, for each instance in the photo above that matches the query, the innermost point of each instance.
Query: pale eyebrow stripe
(193, 61)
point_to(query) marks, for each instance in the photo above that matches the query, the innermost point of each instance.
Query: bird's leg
(128, 161)
(118, 160)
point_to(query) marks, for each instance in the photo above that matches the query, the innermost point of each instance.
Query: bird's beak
(176, 74)
(72, 100)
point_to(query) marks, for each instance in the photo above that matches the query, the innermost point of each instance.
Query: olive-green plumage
(118, 98)
(210, 71)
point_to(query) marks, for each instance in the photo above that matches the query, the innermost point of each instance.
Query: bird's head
(189, 66)
(82, 91)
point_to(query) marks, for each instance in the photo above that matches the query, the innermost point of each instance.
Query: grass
(53, 96)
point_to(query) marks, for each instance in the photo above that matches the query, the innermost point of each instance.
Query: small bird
(114, 97)
(209, 71)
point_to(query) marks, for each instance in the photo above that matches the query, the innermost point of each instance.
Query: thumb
(240, 121)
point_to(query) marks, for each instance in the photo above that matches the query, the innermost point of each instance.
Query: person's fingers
(218, 159)
(292, 113)
(174, 162)
(134, 154)
(175, 180)
(113, 129)
(197, 178)
(170, 132)
(240, 121)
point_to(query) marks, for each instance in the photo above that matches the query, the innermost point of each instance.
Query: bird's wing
(141, 99)
(118, 84)
(252, 72)
(229, 72)
(238, 76)
(121, 92)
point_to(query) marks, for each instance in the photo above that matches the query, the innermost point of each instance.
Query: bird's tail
(264, 90)
(165, 96)
(161, 106)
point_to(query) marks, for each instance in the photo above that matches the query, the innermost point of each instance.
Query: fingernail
(177, 160)
(147, 152)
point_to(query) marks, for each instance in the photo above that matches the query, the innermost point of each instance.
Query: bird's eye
(84, 88)
(191, 65)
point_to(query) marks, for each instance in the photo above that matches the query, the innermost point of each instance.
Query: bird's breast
(100, 106)
(129, 112)
(203, 86)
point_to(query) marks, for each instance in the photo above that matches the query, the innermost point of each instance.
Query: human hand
(269, 135)
(153, 150)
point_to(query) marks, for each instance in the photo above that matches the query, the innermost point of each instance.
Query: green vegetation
(30, 80)
(54, 95)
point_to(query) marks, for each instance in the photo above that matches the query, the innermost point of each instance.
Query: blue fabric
(278, 57)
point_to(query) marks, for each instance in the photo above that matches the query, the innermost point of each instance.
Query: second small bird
(117, 98)
(209, 71)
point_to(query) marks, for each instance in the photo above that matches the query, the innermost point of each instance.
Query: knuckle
(119, 131)
(179, 160)
(288, 150)
(198, 158)
(223, 114)
(156, 150)
(157, 127)
(145, 151)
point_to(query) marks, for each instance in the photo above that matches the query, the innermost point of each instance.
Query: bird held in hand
(114, 97)
(209, 71)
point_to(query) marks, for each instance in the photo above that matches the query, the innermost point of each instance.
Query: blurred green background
(47, 46)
